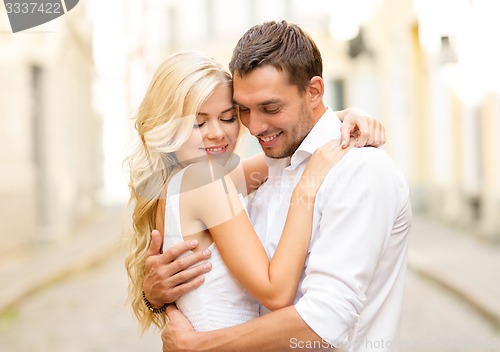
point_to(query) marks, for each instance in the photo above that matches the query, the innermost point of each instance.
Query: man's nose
(256, 123)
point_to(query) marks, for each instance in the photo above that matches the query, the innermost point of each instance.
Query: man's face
(273, 110)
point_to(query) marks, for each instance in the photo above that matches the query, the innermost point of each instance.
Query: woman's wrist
(304, 194)
(310, 183)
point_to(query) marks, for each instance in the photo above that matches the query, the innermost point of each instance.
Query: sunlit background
(429, 70)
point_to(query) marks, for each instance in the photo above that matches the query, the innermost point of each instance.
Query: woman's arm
(255, 170)
(356, 123)
(274, 282)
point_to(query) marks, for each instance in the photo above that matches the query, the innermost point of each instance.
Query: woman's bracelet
(150, 306)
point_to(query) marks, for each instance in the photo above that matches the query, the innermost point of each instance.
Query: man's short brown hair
(280, 44)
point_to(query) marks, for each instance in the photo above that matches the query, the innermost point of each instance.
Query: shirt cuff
(331, 327)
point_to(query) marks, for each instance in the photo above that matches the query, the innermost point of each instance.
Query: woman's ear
(316, 89)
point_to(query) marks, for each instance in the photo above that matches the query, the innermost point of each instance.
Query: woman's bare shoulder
(207, 172)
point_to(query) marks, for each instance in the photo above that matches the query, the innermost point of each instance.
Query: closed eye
(229, 120)
(272, 111)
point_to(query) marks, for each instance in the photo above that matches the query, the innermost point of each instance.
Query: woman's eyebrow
(201, 113)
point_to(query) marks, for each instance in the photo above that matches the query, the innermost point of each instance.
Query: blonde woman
(186, 181)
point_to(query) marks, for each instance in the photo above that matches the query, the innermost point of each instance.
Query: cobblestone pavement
(84, 313)
(436, 320)
(87, 313)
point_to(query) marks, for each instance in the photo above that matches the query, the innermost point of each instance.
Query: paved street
(84, 313)
(87, 313)
(436, 320)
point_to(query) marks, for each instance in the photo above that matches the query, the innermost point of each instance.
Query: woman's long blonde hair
(164, 122)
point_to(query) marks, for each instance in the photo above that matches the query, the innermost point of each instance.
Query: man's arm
(281, 330)
(167, 278)
(355, 259)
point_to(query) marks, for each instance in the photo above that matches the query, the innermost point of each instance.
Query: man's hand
(168, 277)
(357, 123)
(177, 331)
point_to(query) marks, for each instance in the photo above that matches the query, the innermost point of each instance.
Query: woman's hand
(365, 129)
(321, 162)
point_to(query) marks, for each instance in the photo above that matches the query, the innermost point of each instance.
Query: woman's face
(216, 128)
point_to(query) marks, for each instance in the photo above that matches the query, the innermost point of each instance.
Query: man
(352, 288)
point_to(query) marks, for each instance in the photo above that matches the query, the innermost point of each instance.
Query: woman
(186, 181)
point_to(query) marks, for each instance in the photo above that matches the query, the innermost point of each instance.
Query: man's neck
(318, 112)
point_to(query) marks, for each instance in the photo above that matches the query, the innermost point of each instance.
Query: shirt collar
(326, 129)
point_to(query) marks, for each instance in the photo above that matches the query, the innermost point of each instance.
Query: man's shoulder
(364, 173)
(365, 162)
(366, 157)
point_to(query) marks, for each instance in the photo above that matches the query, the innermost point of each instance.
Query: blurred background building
(50, 135)
(427, 69)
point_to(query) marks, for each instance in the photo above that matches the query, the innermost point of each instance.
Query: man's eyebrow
(235, 102)
(222, 112)
(270, 102)
(265, 102)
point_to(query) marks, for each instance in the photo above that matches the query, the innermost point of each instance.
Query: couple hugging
(318, 257)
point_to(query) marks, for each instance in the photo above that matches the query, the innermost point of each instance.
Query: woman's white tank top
(220, 301)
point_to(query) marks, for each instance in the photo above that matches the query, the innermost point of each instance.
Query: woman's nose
(215, 130)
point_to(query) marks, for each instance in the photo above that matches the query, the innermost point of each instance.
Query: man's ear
(316, 89)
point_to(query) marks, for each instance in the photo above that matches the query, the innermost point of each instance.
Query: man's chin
(278, 154)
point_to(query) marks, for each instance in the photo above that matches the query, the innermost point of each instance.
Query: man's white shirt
(352, 288)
